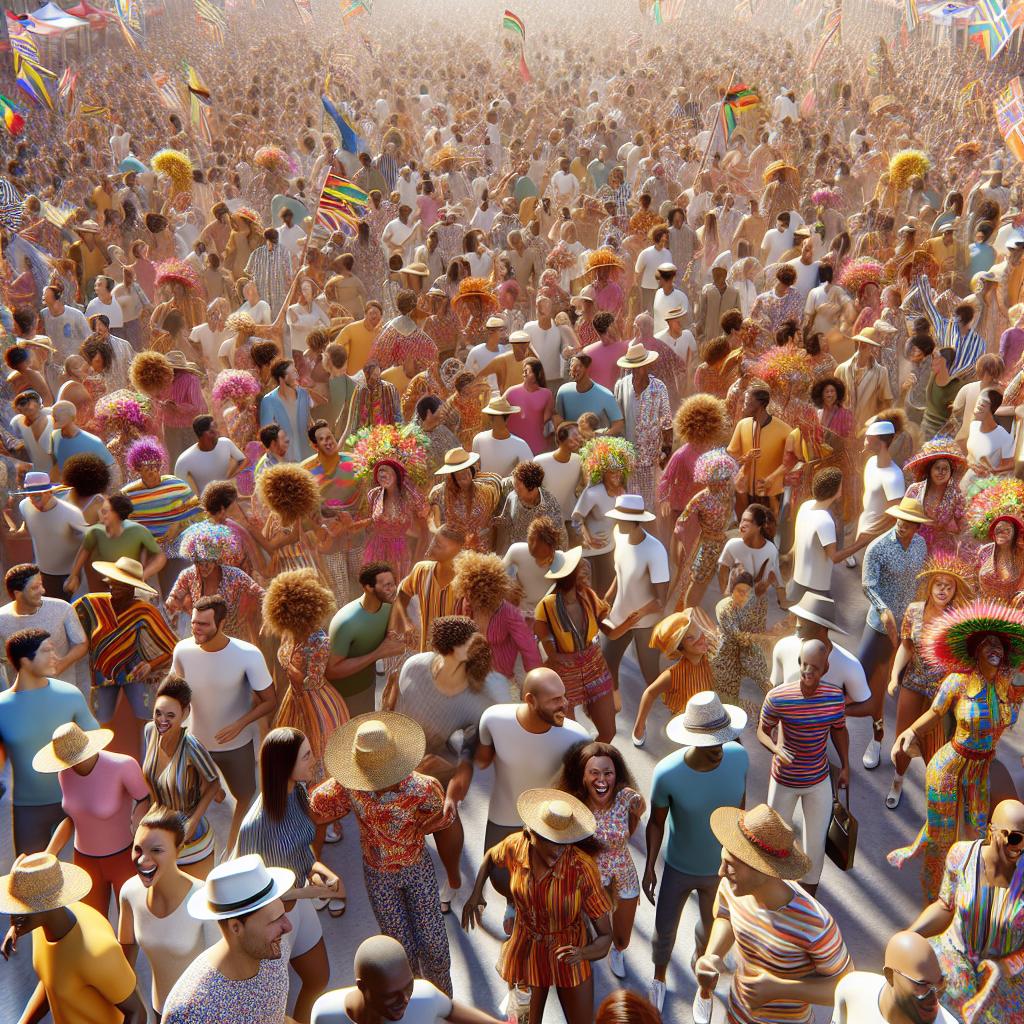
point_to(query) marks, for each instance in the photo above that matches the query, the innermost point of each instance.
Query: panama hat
(494, 322)
(375, 751)
(630, 508)
(817, 609)
(416, 269)
(869, 337)
(70, 745)
(585, 295)
(37, 341)
(500, 407)
(124, 570)
(178, 360)
(36, 483)
(675, 313)
(39, 882)
(706, 722)
(556, 816)
(667, 268)
(636, 356)
(456, 459)
(910, 510)
(762, 839)
(564, 563)
(239, 886)
(519, 338)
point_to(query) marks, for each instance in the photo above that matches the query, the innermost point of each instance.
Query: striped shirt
(969, 345)
(799, 940)
(807, 723)
(434, 600)
(287, 843)
(159, 508)
(338, 486)
(180, 785)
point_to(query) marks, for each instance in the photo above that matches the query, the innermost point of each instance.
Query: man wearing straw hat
(790, 951)
(707, 772)
(499, 449)
(84, 977)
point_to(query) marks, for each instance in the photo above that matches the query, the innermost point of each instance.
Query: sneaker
(617, 962)
(334, 833)
(851, 562)
(638, 742)
(702, 1009)
(872, 755)
(658, 989)
(447, 895)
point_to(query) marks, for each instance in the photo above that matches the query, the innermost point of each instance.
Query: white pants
(816, 805)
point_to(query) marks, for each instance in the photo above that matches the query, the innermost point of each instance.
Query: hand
(894, 685)
(9, 946)
(71, 584)
(760, 486)
(229, 732)
(843, 778)
(756, 989)
(323, 876)
(391, 648)
(650, 883)
(708, 969)
(472, 913)
(780, 747)
(570, 955)
(598, 540)
(889, 621)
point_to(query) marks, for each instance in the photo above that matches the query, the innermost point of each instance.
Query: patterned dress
(996, 582)
(988, 924)
(389, 533)
(947, 512)
(243, 594)
(473, 514)
(738, 654)
(618, 872)
(713, 508)
(957, 777)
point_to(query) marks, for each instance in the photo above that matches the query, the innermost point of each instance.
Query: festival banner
(994, 24)
(739, 98)
(516, 27)
(1009, 108)
(166, 91)
(211, 14)
(830, 30)
(342, 205)
(29, 73)
(351, 8)
(13, 121)
(129, 18)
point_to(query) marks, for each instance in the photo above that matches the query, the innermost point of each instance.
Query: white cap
(880, 428)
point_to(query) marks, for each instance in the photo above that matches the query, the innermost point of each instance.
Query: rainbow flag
(739, 98)
(515, 26)
(341, 205)
(1009, 109)
(994, 24)
(355, 7)
(13, 121)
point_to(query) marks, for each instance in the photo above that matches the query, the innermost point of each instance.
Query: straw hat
(456, 459)
(519, 338)
(178, 360)
(668, 635)
(124, 570)
(675, 313)
(70, 745)
(586, 295)
(88, 227)
(603, 258)
(37, 341)
(869, 335)
(762, 839)
(910, 510)
(239, 886)
(931, 451)
(494, 322)
(416, 269)
(39, 882)
(564, 563)
(556, 816)
(636, 356)
(500, 407)
(706, 722)
(374, 751)
(777, 166)
(630, 508)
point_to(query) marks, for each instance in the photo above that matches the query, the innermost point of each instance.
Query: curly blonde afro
(296, 604)
(481, 579)
(289, 490)
(176, 166)
(702, 420)
(151, 373)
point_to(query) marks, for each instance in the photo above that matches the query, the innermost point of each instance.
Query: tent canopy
(96, 18)
(59, 19)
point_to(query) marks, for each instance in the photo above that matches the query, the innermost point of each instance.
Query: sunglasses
(930, 990)
(1011, 836)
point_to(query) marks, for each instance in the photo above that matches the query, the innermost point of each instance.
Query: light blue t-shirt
(62, 448)
(571, 404)
(690, 797)
(27, 721)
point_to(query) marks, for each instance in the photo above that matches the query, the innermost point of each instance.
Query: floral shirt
(242, 593)
(647, 416)
(613, 859)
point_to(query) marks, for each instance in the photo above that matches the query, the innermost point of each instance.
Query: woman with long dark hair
(536, 404)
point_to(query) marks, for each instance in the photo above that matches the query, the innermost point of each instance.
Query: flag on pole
(66, 87)
(211, 14)
(833, 25)
(58, 216)
(13, 121)
(669, 10)
(994, 24)
(350, 141)
(166, 90)
(342, 204)
(305, 9)
(196, 86)
(911, 15)
(350, 8)
(516, 27)
(1009, 108)
(199, 101)
(738, 98)
(129, 18)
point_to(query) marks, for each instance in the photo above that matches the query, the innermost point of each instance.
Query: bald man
(907, 991)
(385, 990)
(797, 720)
(526, 743)
(68, 439)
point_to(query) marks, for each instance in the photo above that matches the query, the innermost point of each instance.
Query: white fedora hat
(636, 356)
(706, 722)
(630, 507)
(237, 887)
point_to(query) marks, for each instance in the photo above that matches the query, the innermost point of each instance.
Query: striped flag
(1009, 108)
(199, 101)
(341, 205)
(211, 14)
(667, 10)
(196, 86)
(351, 8)
(166, 90)
(516, 27)
(129, 17)
(911, 15)
(13, 121)
(833, 25)
(739, 98)
(66, 88)
(994, 24)
(29, 73)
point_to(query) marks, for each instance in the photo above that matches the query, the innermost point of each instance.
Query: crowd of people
(638, 357)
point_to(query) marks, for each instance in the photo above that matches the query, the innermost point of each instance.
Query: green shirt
(354, 631)
(133, 540)
(938, 404)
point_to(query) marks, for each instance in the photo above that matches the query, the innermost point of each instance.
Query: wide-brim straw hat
(564, 563)
(910, 510)
(39, 882)
(124, 570)
(776, 166)
(931, 451)
(416, 269)
(556, 816)
(375, 751)
(457, 459)
(500, 407)
(476, 288)
(70, 745)
(179, 361)
(706, 722)
(636, 356)
(668, 635)
(761, 839)
(603, 258)
(87, 227)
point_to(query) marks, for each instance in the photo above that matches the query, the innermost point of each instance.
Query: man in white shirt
(55, 527)
(883, 481)
(231, 691)
(499, 449)
(212, 335)
(647, 263)
(668, 297)
(805, 265)
(562, 469)
(105, 303)
(565, 186)
(481, 356)
(211, 458)
(400, 236)
(289, 235)
(546, 341)
(681, 340)
(405, 184)
(65, 326)
(777, 239)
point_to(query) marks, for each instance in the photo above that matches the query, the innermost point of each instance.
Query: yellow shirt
(85, 974)
(772, 442)
(396, 375)
(508, 370)
(358, 340)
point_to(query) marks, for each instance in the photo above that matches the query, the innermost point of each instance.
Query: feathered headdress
(177, 272)
(406, 445)
(946, 563)
(785, 368)
(601, 454)
(857, 274)
(905, 164)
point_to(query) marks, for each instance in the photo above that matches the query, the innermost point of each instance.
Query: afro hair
(702, 420)
(151, 373)
(87, 474)
(289, 490)
(297, 604)
(481, 579)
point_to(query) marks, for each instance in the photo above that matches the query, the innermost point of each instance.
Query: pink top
(676, 485)
(428, 210)
(509, 636)
(529, 424)
(603, 369)
(100, 804)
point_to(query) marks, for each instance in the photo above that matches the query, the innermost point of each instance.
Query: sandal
(320, 903)
(895, 794)
(337, 906)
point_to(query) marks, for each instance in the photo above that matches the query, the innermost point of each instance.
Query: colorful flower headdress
(210, 542)
(785, 368)
(177, 272)
(146, 449)
(946, 641)
(601, 454)
(123, 409)
(829, 197)
(990, 498)
(715, 467)
(232, 385)
(857, 274)
(406, 445)
(273, 158)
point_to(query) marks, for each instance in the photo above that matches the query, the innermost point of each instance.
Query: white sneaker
(447, 894)
(851, 562)
(617, 962)
(872, 755)
(658, 989)
(702, 1009)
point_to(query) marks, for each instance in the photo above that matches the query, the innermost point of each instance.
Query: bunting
(994, 24)
(830, 30)
(129, 18)
(516, 27)
(211, 14)
(29, 73)
(341, 205)
(13, 121)
(1009, 108)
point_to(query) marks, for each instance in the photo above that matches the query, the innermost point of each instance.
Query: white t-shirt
(685, 346)
(844, 670)
(776, 242)
(806, 276)
(210, 342)
(592, 507)
(222, 685)
(548, 346)
(428, 1005)
(480, 357)
(56, 535)
(736, 552)
(205, 467)
(647, 264)
(291, 238)
(815, 529)
(637, 568)
(111, 310)
(521, 565)
(259, 312)
(500, 455)
(566, 187)
(663, 303)
(857, 996)
(881, 486)
(994, 446)
(561, 479)
(522, 760)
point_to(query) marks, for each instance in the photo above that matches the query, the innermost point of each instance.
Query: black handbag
(841, 840)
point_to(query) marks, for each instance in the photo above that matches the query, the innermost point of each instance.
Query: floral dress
(994, 582)
(988, 924)
(244, 597)
(389, 534)
(712, 507)
(738, 654)
(957, 777)
(947, 513)
(920, 678)
(243, 426)
(618, 872)
(474, 514)
(313, 706)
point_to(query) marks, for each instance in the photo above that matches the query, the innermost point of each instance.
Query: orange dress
(685, 680)
(549, 914)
